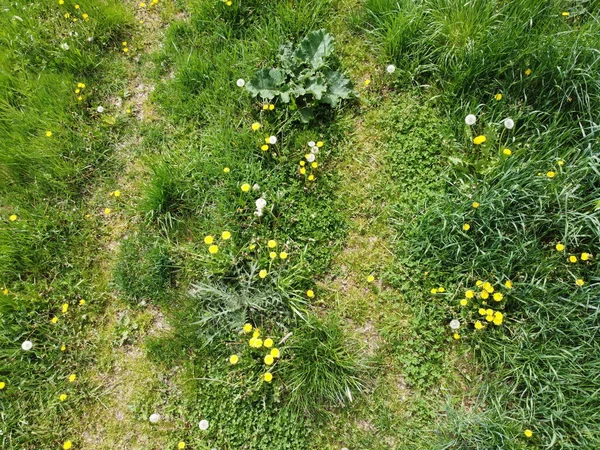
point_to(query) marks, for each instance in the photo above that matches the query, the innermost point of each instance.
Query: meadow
(299, 224)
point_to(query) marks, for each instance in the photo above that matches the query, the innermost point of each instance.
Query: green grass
(536, 362)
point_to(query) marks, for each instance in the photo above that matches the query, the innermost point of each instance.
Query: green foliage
(324, 368)
(303, 78)
(144, 270)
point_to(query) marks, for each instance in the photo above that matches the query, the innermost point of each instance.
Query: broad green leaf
(314, 48)
(317, 86)
(339, 87)
(266, 83)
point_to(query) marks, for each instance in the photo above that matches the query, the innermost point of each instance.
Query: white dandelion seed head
(100, 109)
(64, 46)
(470, 119)
(260, 203)
(314, 150)
(27, 345)
(391, 68)
(240, 82)
(509, 123)
(154, 418)
(258, 213)
(272, 140)
(311, 144)
(90, 39)
(455, 324)
(256, 187)
(203, 424)
(310, 157)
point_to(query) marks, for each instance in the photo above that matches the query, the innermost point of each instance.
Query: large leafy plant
(303, 79)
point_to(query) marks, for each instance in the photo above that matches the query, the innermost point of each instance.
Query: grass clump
(323, 369)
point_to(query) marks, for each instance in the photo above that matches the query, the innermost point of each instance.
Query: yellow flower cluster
(210, 241)
(256, 342)
(310, 161)
(585, 256)
(485, 291)
(67, 15)
(268, 106)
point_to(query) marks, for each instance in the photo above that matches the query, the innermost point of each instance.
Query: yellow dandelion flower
(470, 294)
(234, 359)
(225, 235)
(314, 164)
(528, 72)
(226, 170)
(72, 378)
(62, 397)
(550, 174)
(441, 289)
(275, 353)
(247, 328)
(272, 255)
(585, 256)
(579, 282)
(484, 295)
(560, 247)
(48, 133)
(310, 293)
(498, 96)
(466, 227)
(475, 205)
(65, 307)
(268, 377)
(2, 385)
(367, 82)
(256, 333)
(283, 255)
(498, 296)
(272, 243)
(488, 287)
(565, 14)
(370, 279)
(54, 319)
(319, 144)
(117, 193)
(572, 259)
(208, 239)
(63, 348)
(67, 444)
(433, 290)
(507, 152)
(264, 147)
(262, 273)
(256, 126)
(107, 211)
(311, 177)
(478, 283)
(482, 311)
(302, 170)
(213, 249)
(181, 445)
(464, 302)
(478, 140)
(508, 284)
(478, 325)
(245, 187)
(268, 343)
(12, 217)
(528, 433)
(269, 360)
(456, 336)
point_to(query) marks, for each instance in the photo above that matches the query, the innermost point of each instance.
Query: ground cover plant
(298, 224)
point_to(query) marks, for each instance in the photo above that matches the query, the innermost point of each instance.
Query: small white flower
(509, 123)
(27, 345)
(240, 82)
(272, 140)
(256, 187)
(64, 46)
(154, 418)
(470, 119)
(100, 109)
(90, 39)
(260, 203)
(454, 324)
(391, 68)
(310, 157)
(311, 144)
(203, 425)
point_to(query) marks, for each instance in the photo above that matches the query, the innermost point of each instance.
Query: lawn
(333, 224)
